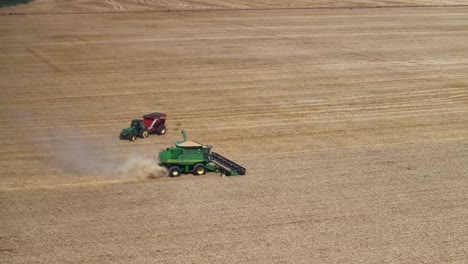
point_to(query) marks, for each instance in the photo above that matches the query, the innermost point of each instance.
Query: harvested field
(352, 124)
(85, 6)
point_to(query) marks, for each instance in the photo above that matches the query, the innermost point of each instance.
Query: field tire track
(115, 5)
(55, 68)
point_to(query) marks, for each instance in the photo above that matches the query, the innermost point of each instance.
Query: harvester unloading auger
(188, 156)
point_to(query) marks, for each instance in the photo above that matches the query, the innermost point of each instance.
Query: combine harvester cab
(192, 157)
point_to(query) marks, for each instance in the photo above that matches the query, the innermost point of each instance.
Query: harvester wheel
(144, 133)
(161, 130)
(174, 171)
(199, 169)
(132, 138)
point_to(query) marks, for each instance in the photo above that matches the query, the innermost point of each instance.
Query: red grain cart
(155, 122)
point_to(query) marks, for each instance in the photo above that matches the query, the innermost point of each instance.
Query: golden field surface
(351, 120)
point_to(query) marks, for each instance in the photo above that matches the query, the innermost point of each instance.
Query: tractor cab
(138, 124)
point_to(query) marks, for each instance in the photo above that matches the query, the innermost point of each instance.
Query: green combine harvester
(192, 157)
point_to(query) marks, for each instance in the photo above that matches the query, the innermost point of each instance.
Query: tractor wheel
(133, 137)
(174, 171)
(199, 169)
(144, 133)
(161, 130)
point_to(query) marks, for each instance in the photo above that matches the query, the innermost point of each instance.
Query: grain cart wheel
(174, 171)
(161, 130)
(144, 133)
(199, 169)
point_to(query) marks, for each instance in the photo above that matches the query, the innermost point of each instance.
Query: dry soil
(352, 122)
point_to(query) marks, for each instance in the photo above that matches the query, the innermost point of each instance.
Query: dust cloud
(84, 157)
(93, 158)
(139, 167)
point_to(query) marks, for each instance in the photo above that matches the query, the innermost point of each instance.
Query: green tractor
(136, 129)
(192, 157)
